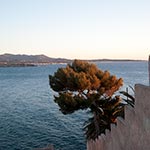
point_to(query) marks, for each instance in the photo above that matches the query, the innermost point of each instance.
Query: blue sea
(30, 119)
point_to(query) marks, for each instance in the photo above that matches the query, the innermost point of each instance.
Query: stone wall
(133, 133)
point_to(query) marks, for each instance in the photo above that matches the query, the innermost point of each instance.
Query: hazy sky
(76, 28)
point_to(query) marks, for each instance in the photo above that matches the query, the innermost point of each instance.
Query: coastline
(29, 64)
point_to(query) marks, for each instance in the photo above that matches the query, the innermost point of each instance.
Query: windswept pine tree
(82, 85)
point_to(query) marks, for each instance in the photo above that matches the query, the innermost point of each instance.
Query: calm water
(30, 119)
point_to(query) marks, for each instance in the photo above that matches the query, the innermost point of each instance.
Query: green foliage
(82, 85)
(105, 111)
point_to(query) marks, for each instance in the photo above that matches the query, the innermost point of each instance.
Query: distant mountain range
(29, 60)
(34, 60)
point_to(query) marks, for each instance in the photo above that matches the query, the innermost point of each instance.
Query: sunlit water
(30, 119)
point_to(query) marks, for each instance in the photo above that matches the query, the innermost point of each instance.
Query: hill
(29, 60)
(7, 60)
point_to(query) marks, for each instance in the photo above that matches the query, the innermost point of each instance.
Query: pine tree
(82, 85)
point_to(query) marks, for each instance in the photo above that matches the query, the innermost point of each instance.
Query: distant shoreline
(10, 60)
(114, 60)
(45, 64)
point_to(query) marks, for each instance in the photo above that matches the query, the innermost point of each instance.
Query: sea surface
(30, 119)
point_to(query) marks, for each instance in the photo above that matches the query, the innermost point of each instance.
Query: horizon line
(95, 59)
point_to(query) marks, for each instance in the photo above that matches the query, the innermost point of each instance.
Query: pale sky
(81, 29)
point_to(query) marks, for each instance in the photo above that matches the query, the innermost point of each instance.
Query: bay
(30, 119)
